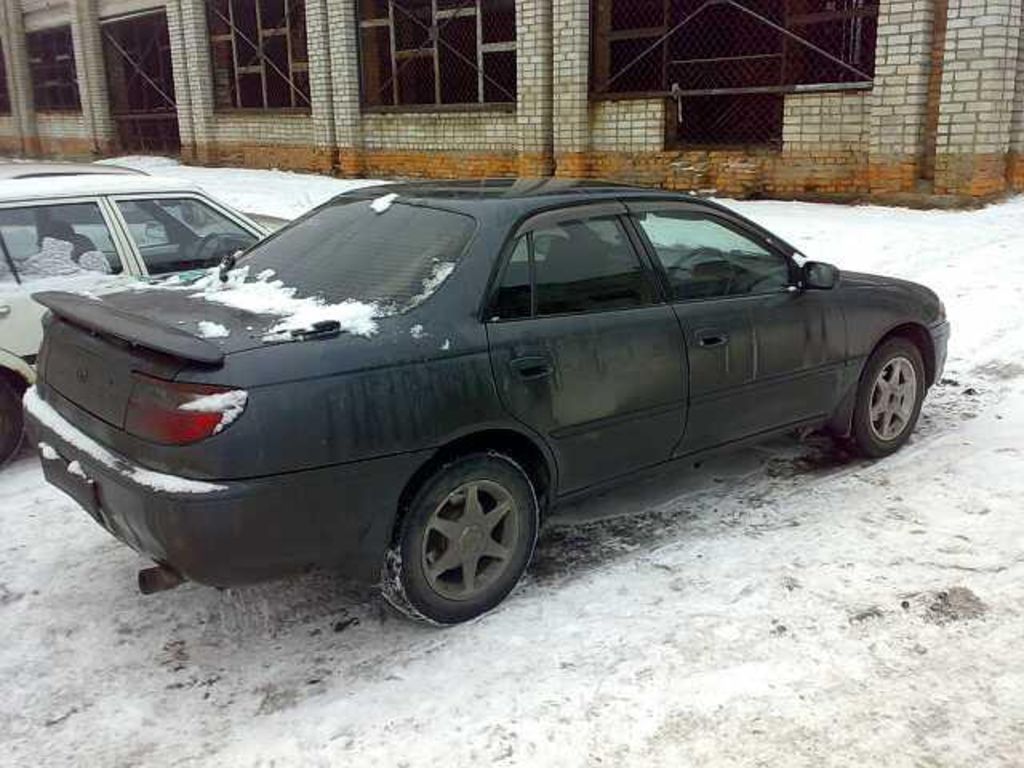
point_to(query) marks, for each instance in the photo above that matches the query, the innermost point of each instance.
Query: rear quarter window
(346, 250)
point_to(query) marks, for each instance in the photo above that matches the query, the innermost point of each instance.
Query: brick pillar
(321, 89)
(19, 83)
(342, 27)
(180, 73)
(197, 79)
(571, 34)
(92, 79)
(900, 95)
(976, 109)
(1015, 171)
(533, 90)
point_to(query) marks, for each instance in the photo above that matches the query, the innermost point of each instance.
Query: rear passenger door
(584, 351)
(763, 354)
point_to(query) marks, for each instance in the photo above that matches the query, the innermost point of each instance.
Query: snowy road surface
(784, 606)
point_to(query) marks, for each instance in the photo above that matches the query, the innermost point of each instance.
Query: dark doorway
(137, 52)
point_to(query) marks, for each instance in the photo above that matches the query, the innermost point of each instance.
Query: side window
(55, 240)
(176, 234)
(584, 266)
(704, 258)
(514, 292)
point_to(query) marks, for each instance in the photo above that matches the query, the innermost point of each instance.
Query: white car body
(20, 326)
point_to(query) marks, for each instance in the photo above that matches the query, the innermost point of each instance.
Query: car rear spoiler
(135, 329)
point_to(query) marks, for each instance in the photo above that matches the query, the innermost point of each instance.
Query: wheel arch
(522, 449)
(918, 335)
(16, 370)
(841, 422)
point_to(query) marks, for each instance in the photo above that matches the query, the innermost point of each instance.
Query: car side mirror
(819, 275)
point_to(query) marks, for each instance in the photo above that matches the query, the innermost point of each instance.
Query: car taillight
(158, 411)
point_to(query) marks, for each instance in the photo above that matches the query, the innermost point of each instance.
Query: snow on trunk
(228, 404)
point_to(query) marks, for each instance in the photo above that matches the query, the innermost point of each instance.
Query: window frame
(36, 69)
(300, 102)
(5, 89)
(611, 209)
(128, 242)
(467, 9)
(128, 263)
(760, 237)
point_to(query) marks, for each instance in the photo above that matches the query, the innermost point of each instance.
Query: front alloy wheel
(889, 398)
(893, 398)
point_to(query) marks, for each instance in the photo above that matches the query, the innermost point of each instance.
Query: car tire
(889, 398)
(12, 421)
(477, 512)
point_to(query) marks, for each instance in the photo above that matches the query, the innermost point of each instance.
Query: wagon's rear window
(348, 250)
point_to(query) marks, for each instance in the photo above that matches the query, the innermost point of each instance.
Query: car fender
(18, 366)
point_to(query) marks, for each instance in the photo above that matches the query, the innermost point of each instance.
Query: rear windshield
(347, 250)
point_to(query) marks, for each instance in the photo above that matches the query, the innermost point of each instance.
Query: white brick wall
(827, 121)
(1017, 118)
(901, 77)
(488, 131)
(570, 58)
(978, 78)
(627, 126)
(61, 125)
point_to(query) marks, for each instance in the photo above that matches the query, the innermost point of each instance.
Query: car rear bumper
(235, 531)
(940, 341)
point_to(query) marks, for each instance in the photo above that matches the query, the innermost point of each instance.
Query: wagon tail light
(163, 411)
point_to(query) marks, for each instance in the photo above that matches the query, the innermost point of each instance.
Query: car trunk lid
(94, 347)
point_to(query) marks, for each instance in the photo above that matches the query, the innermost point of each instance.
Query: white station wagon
(90, 233)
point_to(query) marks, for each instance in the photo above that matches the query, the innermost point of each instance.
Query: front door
(137, 53)
(583, 351)
(762, 354)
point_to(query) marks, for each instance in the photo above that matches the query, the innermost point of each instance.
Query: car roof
(55, 187)
(19, 170)
(522, 195)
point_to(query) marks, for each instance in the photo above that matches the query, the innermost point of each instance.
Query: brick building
(769, 97)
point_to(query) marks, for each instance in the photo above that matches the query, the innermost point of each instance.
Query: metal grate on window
(51, 64)
(259, 55)
(727, 63)
(436, 52)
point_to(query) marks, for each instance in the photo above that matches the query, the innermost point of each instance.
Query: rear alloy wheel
(465, 541)
(12, 424)
(889, 399)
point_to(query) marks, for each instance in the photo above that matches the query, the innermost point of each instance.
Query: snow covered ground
(782, 606)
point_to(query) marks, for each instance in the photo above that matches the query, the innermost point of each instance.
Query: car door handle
(4, 310)
(531, 367)
(709, 339)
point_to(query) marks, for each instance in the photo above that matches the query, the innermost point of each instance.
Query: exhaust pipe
(159, 578)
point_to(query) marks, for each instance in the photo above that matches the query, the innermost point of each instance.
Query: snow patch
(44, 413)
(273, 297)
(417, 331)
(440, 273)
(382, 203)
(211, 330)
(48, 452)
(228, 404)
(447, 345)
(75, 468)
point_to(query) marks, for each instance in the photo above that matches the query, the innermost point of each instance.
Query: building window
(51, 65)
(729, 63)
(258, 50)
(5, 96)
(434, 52)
